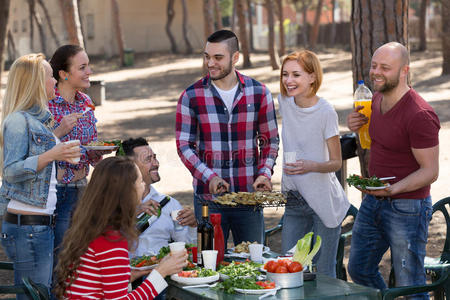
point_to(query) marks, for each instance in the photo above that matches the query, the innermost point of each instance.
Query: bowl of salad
(285, 273)
(245, 269)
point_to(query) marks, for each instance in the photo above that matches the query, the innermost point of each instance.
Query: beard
(153, 177)
(222, 74)
(389, 84)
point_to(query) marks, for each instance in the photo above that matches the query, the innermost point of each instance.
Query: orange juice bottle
(363, 97)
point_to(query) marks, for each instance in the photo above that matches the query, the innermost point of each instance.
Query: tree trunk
(12, 50)
(281, 27)
(240, 11)
(31, 12)
(189, 49)
(118, 31)
(333, 24)
(218, 15)
(208, 18)
(81, 19)
(4, 15)
(274, 59)
(49, 22)
(71, 18)
(170, 16)
(40, 26)
(445, 10)
(374, 23)
(250, 23)
(305, 25)
(422, 25)
(233, 16)
(315, 28)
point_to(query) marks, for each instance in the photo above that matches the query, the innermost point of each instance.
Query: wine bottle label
(152, 219)
(199, 248)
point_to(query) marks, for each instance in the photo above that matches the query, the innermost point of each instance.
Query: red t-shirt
(410, 123)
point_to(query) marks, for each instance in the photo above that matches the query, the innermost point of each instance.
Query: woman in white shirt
(310, 130)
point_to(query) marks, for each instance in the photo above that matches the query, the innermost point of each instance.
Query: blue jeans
(246, 224)
(399, 224)
(301, 219)
(65, 206)
(30, 248)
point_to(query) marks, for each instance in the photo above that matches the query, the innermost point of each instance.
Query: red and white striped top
(104, 273)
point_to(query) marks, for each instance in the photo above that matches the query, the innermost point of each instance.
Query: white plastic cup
(256, 251)
(209, 259)
(176, 224)
(290, 157)
(177, 246)
(76, 143)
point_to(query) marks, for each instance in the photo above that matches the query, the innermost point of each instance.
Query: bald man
(405, 143)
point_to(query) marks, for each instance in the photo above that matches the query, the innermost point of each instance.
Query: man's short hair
(227, 37)
(130, 144)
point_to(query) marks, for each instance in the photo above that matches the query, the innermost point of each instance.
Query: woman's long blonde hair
(25, 88)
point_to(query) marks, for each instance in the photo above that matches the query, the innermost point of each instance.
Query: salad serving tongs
(268, 294)
(387, 178)
(199, 286)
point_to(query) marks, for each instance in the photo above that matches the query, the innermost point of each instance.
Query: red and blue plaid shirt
(85, 131)
(238, 146)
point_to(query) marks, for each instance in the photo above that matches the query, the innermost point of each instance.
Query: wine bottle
(205, 235)
(144, 220)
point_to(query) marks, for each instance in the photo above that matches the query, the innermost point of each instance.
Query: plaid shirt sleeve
(268, 135)
(186, 137)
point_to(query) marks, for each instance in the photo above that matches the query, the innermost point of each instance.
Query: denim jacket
(26, 135)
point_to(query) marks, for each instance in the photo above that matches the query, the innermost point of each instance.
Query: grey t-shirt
(305, 131)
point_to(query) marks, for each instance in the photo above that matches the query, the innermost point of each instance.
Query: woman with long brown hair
(73, 121)
(94, 260)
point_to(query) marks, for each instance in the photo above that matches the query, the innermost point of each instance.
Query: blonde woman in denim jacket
(27, 151)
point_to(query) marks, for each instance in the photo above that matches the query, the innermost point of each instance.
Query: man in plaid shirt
(227, 136)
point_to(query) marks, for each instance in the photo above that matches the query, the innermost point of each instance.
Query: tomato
(271, 266)
(281, 269)
(266, 284)
(284, 262)
(184, 274)
(294, 267)
(142, 263)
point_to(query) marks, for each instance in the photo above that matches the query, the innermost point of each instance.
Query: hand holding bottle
(355, 120)
(145, 220)
(363, 97)
(150, 207)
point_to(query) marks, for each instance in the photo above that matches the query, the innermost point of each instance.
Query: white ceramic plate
(144, 268)
(374, 188)
(100, 147)
(230, 253)
(194, 280)
(255, 292)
